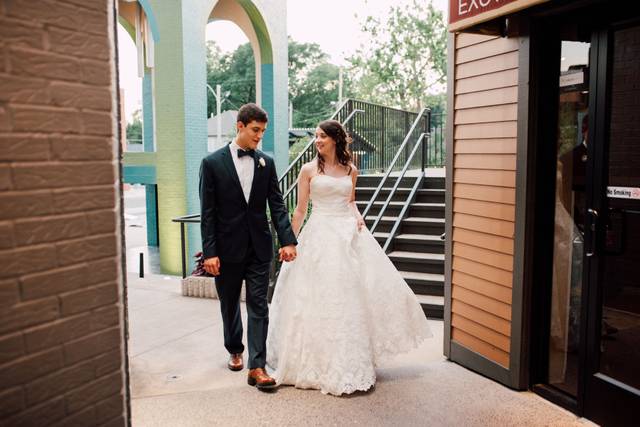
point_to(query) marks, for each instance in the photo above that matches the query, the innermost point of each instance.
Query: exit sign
(465, 13)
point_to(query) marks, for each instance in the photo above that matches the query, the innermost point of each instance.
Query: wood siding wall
(484, 176)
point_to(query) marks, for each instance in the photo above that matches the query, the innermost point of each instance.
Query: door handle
(594, 223)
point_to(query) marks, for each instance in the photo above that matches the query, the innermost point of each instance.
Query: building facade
(543, 200)
(62, 319)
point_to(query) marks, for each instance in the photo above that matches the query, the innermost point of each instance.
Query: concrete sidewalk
(179, 378)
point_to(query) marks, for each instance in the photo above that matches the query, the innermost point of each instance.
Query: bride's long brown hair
(335, 131)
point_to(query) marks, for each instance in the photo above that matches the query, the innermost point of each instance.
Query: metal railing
(377, 135)
(396, 184)
(420, 144)
(182, 220)
(420, 125)
(381, 137)
(431, 155)
(377, 132)
(436, 150)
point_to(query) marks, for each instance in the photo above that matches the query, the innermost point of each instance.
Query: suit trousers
(255, 273)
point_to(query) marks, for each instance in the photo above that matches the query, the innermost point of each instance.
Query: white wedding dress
(341, 306)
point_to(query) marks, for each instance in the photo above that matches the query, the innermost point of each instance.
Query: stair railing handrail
(414, 189)
(403, 212)
(347, 120)
(397, 183)
(393, 162)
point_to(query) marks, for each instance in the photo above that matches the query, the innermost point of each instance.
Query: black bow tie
(242, 153)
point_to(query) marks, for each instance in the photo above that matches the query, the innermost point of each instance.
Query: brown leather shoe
(258, 377)
(235, 362)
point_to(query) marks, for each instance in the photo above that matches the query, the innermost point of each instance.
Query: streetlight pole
(340, 84)
(218, 97)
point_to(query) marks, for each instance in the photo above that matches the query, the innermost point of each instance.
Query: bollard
(141, 265)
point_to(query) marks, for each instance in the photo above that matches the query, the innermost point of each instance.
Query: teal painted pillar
(268, 140)
(147, 139)
(195, 108)
(179, 110)
(147, 111)
(152, 214)
(169, 136)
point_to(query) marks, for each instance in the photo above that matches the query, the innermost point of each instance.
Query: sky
(333, 24)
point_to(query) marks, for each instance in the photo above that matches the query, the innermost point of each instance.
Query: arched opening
(248, 18)
(137, 130)
(231, 79)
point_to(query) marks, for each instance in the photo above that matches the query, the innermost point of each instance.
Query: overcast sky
(333, 24)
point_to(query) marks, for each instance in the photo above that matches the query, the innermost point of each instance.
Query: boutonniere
(261, 162)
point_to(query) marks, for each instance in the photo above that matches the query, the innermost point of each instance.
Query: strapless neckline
(334, 177)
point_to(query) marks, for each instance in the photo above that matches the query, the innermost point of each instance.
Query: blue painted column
(152, 214)
(149, 146)
(194, 54)
(268, 140)
(147, 111)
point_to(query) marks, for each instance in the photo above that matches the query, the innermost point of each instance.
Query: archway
(179, 94)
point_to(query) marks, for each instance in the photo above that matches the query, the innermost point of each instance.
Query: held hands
(212, 266)
(287, 253)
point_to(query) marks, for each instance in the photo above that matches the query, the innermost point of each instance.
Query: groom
(236, 182)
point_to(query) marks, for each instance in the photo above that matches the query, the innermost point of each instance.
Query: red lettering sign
(462, 9)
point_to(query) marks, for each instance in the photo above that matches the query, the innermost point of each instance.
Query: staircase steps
(417, 250)
(434, 210)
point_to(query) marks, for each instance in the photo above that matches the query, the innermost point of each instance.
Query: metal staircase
(404, 207)
(400, 192)
(417, 250)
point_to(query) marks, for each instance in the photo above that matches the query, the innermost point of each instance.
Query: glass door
(612, 238)
(569, 207)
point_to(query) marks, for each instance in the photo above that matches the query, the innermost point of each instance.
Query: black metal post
(383, 139)
(422, 152)
(141, 269)
(182, 243)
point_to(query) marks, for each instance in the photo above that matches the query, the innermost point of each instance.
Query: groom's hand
(287, 253)
(212, 265)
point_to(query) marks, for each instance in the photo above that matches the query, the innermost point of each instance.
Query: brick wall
(61, 327)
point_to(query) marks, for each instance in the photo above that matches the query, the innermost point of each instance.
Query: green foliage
(437, 103)
(235, 72)
(296, 148)
(313, 82)
(406, 57)
(134, 128)
(303, 58)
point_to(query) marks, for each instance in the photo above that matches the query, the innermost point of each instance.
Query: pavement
(179, 378)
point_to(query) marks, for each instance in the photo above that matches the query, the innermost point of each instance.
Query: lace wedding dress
(341, 307)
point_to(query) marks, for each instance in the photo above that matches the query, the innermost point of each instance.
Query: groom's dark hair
(250, 112)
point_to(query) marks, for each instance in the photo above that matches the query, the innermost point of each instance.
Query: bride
(342, 306)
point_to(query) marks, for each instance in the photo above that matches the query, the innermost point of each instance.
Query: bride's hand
(360, 223)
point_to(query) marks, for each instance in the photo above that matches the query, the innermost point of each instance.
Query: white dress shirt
(244, 167)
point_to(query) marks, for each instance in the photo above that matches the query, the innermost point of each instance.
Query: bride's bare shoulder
(309, 169)
(310, 166)
(354, 169)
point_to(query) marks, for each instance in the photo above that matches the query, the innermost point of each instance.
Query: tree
(406, 57)
(303, 57)
(134, 128)
(235, 72)
(317, 96)
(313, 82)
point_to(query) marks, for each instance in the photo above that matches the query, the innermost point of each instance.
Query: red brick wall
(61, 327)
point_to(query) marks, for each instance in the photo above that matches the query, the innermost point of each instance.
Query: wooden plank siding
(484, 176)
